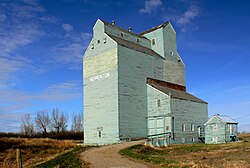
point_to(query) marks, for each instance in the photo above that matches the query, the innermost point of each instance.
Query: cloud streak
(67, 27)
(184, 18)
(150, 6)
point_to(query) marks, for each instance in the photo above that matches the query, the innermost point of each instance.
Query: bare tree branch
(27, 126)
(59, 120)
(42, 122)
(77, 124)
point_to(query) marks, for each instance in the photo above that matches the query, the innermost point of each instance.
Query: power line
(242, 116)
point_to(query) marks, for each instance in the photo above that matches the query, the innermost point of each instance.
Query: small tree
(42, 122)
(27, 127)
(59, 120)
(77, 125)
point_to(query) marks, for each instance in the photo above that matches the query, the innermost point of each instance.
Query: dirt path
(108, 157)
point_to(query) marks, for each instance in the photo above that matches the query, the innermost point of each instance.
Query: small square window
(92, 46)
(167, 128)
(122, 34)
(192, 127)
(98, 41)
(193, 139)
(215, 139)
(104, 40)
(215, 127)
(153, 41)
(158, 103)
(183, 127)
(137, 40)
(171, 52)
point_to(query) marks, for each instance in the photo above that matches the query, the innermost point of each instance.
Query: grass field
(33, 151)
(196, 155)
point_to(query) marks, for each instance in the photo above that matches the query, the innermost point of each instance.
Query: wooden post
(18, 158)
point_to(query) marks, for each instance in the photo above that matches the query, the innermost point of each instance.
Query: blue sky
(42, 44)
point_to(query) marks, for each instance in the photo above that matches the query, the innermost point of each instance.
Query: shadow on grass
(65, 160)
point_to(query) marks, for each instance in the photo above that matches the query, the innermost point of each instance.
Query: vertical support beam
(18, 158)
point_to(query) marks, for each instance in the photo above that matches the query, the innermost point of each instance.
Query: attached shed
(220, 129)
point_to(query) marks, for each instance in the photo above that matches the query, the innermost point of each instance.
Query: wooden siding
(187, 113)
(222, 134)
(101, 93)
(118, 104)
(159, 112)
(213, 135)
(133, 70)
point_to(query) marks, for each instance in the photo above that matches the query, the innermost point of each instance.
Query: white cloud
(189, 15)
(184, 20)
(70, 51)
(150, 5)
(31, 2)
(14, 100)
(9, 66)
(67, 27)
(86, 36)
(49, 19)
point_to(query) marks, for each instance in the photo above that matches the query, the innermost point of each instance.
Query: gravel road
(108, 157)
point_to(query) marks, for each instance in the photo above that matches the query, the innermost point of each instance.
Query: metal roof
(226, 119)
(223, 118)
(135, 46)
(178, 94)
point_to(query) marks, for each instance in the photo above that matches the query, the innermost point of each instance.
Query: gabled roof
(135, 46)
(223, 118)
(178, 94)
(154, 28)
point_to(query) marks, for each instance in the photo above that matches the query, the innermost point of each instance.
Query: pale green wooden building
(220, 129)
(135, 86)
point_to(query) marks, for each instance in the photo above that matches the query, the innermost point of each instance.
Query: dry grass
(33, 150)
(232, 155)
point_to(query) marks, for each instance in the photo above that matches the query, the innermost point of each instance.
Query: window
(153, 41)
(98, 41)
(183, 127)
(167, 128)
(231, 128)
(215, 127)
(192, 127)
(158, 102)
(199, 131)
(171, 52)
(100, 133)
(193, 139)
(92, 46)
(122, 34)
(104, 40)
(137, 40)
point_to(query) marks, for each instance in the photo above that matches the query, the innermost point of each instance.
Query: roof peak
(155, 28)
(140, 34)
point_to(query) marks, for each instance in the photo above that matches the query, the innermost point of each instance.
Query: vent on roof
(130, 29)
(113, 22)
